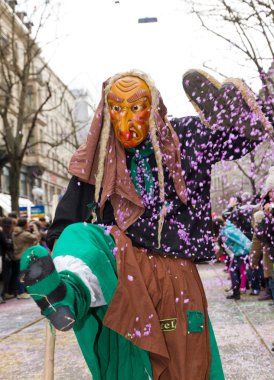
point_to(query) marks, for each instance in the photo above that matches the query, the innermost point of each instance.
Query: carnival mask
(129, 102)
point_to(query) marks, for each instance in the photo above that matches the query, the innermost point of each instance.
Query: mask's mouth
(132, 134)
(135, 134)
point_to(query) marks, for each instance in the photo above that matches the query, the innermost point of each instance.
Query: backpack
(235, 240)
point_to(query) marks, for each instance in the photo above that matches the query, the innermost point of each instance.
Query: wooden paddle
(50, 330)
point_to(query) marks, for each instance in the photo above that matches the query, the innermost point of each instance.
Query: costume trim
(214, 82)
(250, 100)
(77, 266)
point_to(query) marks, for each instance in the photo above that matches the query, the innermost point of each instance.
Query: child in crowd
(237, 246)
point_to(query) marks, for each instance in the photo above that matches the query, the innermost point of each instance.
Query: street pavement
(244, 330)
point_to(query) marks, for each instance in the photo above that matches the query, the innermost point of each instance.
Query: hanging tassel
(163, 213)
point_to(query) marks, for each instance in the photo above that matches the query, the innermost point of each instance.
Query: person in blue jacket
(237, 246)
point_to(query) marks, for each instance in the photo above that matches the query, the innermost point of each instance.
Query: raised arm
(230, 111)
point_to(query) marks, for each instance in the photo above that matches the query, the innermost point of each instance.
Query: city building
(53, 140)
(83, 113)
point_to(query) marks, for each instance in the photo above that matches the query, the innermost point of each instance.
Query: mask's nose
(124, 126)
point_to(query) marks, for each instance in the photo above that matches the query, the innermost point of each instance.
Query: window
(52, 192)
(31, 144)
(23, 185)
(6, 179)
(29, 98)
(41, 139)
(46, 193)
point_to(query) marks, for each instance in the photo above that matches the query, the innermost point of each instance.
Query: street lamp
(146, 20)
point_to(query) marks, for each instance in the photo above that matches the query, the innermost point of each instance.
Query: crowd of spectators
(16, 235)
(244, 240)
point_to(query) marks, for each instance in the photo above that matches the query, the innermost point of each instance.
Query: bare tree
(257, 167)
(247, 27)
(73, 137)
(21, 70)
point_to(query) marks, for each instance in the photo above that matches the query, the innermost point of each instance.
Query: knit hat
(269, 183)
(258, 216)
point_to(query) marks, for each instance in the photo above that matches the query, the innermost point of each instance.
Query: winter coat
(241, 216)
(22, 240)
(256, 251)
(267, 261)
(235, 240)
(265, 227)
(260, 250)
(6, 246)
(265, 230)
(265, 233)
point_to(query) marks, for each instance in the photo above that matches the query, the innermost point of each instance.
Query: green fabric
(31, 253)
(216, 369)
(195, 321)
(77, 294)
(76, 290)
(139, 157)
(79, 240)
(109, 356)
(45, 286)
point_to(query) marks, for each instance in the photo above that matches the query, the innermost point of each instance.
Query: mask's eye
(116, 108)
(137, 107)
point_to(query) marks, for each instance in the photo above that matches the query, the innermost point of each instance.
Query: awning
(5, 202)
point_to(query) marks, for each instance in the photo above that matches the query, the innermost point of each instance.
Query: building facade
(52, 141)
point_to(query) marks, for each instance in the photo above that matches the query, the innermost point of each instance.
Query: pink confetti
(115, 250)
(137, 333)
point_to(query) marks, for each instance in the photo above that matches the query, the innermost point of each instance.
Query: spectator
(220, 252)
(43, 231)
(25, 235)
(237, 245)
(265, 229)
(240, 213)
(6, 247)
(255, 257)
(233, 202)
(13, 215)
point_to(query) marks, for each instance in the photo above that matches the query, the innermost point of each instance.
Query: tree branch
(34, 120)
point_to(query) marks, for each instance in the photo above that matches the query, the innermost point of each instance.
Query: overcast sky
(97, 39)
